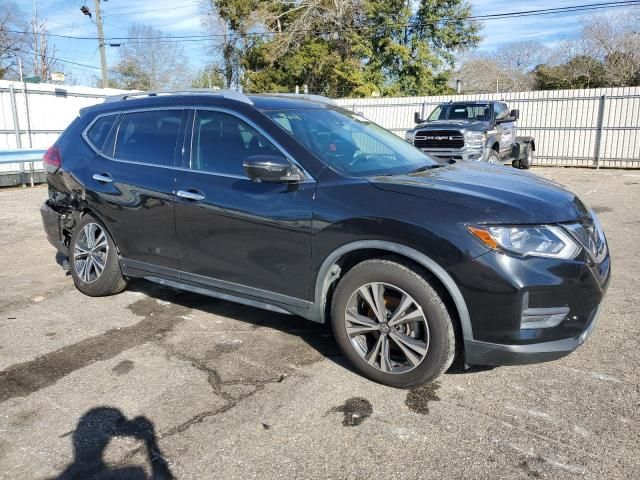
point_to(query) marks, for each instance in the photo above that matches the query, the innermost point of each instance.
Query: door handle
(190, 195)
(102, 177)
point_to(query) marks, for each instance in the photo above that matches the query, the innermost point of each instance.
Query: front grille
(439, 139)
(590, 235)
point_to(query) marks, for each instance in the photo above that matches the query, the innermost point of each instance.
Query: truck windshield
(462, 111)
(351, 144)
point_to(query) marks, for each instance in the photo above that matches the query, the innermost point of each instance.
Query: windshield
(461, 111)
(351, 144)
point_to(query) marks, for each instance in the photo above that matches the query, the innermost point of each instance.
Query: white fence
(36, 119)
(595, 127)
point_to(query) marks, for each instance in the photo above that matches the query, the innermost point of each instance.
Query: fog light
(543, 317)
(547, 317)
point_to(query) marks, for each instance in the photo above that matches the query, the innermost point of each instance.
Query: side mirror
(270, 169)
(515, 114)
(417, 119)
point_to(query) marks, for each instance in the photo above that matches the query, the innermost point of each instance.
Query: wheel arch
(330, 271)
(492, 145)
(87, 210)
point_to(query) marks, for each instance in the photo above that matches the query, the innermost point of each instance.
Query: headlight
(542, 241)
(474, 138)
(409, 136)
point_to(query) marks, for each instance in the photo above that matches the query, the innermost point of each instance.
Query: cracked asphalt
(156, 383)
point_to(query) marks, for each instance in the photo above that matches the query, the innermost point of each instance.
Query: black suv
(292, 204)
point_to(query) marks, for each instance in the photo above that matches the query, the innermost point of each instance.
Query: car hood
(505, 194)
(474, 125)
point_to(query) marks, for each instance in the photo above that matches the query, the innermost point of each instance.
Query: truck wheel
(391, 324)
(527, 158)
(494, 158)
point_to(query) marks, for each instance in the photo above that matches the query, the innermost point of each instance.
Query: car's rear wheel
(94, 259)
(391, 324)
(527, 158)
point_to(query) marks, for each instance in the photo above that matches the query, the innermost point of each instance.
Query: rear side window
(99, 131)
(149, 137)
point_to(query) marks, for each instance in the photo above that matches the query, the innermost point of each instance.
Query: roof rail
(230, 94)
(305, 96)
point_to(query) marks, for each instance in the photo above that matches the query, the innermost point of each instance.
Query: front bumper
(466, 154)
(486, 353)
(529, 310)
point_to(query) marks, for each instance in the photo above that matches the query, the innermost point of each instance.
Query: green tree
(345, 47)
(581, 71)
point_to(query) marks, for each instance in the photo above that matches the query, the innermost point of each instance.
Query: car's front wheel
(494, 158)
(94, 259)
(391, 324)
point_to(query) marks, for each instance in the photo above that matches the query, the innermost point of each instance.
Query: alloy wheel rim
(387, 327)
(90, 252)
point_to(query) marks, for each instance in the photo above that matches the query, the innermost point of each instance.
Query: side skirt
(158, 275)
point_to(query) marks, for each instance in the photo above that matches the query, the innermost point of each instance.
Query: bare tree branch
(149, 61)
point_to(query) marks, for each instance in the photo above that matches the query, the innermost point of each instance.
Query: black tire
(110, 280)
(494, 158)
(525, 161)
(441, 336)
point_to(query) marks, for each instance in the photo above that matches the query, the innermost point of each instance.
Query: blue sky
(182, 17)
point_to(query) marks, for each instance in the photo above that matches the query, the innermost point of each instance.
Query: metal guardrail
(23, 157)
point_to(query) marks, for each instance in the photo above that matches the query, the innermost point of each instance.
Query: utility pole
(103, 54)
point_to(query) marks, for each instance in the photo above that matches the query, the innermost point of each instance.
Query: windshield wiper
(425, 168)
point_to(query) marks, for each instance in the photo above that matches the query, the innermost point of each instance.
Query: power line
(200, 38)
(485, 17)
(62, 60)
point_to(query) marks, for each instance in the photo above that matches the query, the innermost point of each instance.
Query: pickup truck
(473, 131)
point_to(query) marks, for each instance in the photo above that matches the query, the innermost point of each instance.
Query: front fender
(326, 275)
(492, 138)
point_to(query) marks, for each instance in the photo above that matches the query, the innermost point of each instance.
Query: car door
(234, 233)
(132, 179)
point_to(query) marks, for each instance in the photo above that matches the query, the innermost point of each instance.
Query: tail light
(52, 160)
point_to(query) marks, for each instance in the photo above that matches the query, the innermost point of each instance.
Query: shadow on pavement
(92, 435)
(317, 336)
